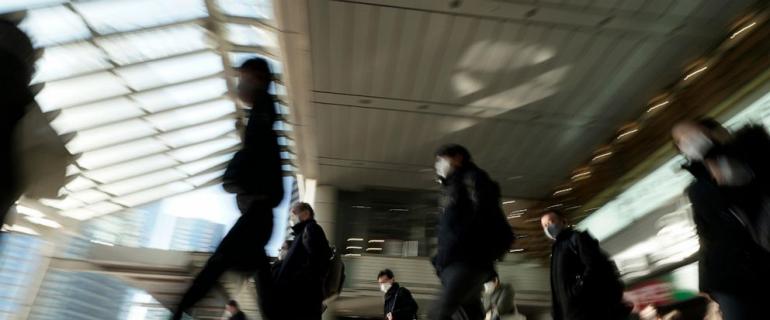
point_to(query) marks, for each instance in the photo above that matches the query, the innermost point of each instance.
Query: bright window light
(183, 94)
(69, 60)
(80, 183)
(63, 204)
(131, 168)
(125, 15)
(27, 211)
(121, 152)
(249, 35)
(127, 186)
(80, 90)
(205, 149)
(18, 5)
(49, 26)
(154, 44)
(43, 222)
(199, 166)
(159, 73)
(205, 178)
(148, 195)
(199, 133)
(192, 115)
(89, 196)
(258, 9)
(91, 115)
(111, 134)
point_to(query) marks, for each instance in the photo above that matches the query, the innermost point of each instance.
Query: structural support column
(325, 206)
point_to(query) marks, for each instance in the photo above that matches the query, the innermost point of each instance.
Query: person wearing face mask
(732, 267)
(299, 279)
(472, 234)
(255, 176)
(585, 283)
(399, 303)
(498, 300)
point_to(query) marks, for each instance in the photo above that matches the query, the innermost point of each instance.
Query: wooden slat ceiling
(531, 87)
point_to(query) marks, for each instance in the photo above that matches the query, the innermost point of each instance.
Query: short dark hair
(256, 65)
(233, 303)
(556, 212)
(493, 276)
(453, 150)
(385, 273)
(304, 206)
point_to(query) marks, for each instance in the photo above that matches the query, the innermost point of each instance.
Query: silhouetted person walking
(255, 176)
(235, 311)
(16, 67)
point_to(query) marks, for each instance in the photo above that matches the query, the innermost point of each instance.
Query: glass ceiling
(146, 87)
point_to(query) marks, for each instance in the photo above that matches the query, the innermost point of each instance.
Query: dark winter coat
(585, 284)
(256, 170)
(302, 271)
(399, 302)
(729, 260)
(468, 195)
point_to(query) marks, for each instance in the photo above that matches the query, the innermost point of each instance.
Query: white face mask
(489, 287)
(695, 146)
(384, 287)
(443, 167)
(293, 219)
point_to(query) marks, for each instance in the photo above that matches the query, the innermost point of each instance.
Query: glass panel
(192, 115)
(80, 183)
(89, 196)
(79, 213)
(49, 26)
(77, 118)
(159, 73)
(110, 134)
(281, 108)
(105, 207)
(154, 44)
(132, 150)
(205, 178)
(198, 134)
(153, 194)
(249, 35)
(80, 90)
(143, 182)
(69, 60)
(258, 9)
(205, 164)
(183, 94)
(204, 149)
(124, 15)
(238, 58)
(63, 204)
(131, 168)
(18, 5)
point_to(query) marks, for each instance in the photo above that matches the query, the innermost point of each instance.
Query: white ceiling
(531, 87)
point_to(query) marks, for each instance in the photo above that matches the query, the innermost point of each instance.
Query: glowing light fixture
(742, 30)
(694, 73)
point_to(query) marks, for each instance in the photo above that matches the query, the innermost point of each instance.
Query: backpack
(494, 224)
(335, 275)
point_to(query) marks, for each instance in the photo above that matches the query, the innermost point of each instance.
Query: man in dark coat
(585, 284)
(399, 303)
(254, 175)
(299, 280)
(732, 267)
(464, 260)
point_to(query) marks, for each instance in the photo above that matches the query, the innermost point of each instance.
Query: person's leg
(220, 261)
(461, 290)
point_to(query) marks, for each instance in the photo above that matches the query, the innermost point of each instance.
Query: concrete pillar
(325, 206)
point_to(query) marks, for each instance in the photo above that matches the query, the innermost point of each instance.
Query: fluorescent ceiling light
(43, 222)
(376, 241)
(373, 249)
(354, 248)
(27, 211)
(355, 239)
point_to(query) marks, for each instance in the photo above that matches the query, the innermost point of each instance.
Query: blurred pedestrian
(399, 303)
(300, 279)
(235, 311)
(732, 267)
(472, 234)
(16, 68)
(585, 283)
(498, 299)
(255, 176)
